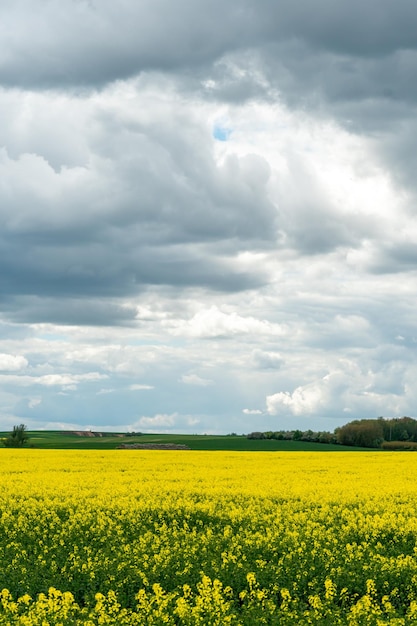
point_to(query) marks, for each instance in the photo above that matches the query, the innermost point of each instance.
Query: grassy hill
(54, 439)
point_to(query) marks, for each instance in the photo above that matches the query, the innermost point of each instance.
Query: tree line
(295, 435)
(388, 433)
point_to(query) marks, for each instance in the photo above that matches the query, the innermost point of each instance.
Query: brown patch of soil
(153, 446)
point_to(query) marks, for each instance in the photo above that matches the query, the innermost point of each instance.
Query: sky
(208, 216)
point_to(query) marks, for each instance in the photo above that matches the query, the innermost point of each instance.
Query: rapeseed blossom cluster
(207, 538)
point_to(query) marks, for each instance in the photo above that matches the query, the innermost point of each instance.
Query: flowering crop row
(210, 538)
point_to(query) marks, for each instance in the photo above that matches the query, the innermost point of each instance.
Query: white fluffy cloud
(194, 379)
(347, 390)
(12, 363)
(213, 322)
(157, 421)
(305, 400)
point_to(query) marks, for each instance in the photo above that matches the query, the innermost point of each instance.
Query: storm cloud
(207, 213)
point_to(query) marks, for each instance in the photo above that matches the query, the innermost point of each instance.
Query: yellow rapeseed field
(207, 538)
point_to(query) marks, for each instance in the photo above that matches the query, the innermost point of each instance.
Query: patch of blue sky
(53, 337)
(221, 133)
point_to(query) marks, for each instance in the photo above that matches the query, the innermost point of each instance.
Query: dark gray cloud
(61, 308)
(146, 204)
(90, 44)
(115, 270)
(394, 257)
(374, 28)
(318, 76)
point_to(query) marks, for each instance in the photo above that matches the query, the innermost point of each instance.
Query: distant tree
(366, 433)
(346, 434)
(325, 437)
(17, 438)
(309, 435)
(256, 435)
(400, 429)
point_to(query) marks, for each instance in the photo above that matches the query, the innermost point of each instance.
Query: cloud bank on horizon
(208, 214)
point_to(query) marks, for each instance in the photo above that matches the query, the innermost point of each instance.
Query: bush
(17, 438)
(399, 445)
